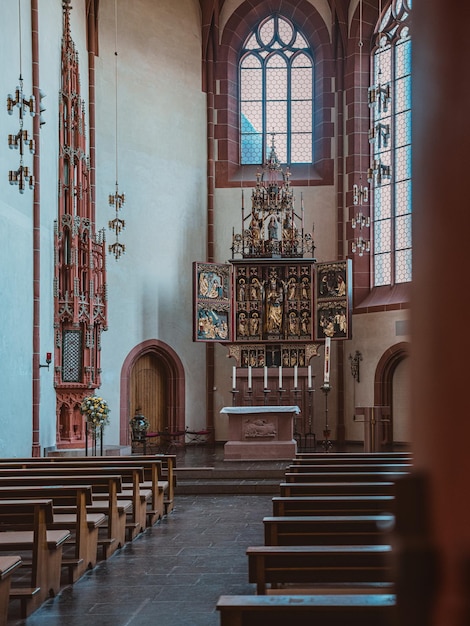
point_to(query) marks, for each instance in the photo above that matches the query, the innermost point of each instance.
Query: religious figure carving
(272, 228)
(274, 305)
(259, 428)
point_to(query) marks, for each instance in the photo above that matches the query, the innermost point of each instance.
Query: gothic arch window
(274, 73)
(390, 99)
(276, 93)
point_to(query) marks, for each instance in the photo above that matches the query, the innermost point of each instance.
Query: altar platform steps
(240, 479)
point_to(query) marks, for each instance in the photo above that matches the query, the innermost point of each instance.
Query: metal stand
(95, 435)
(280, 392)
(266, 392)
(297, 434)
(326, 443)
(309, 437)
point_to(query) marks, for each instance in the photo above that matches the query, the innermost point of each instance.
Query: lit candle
(280, 376)
(295, 376)
(309, 376)
(265, 377)
(326, 377)
(234, 377)
(249, 376)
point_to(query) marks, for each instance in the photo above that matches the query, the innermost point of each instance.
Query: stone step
(207, 480)
(227, 487)
(231, 473)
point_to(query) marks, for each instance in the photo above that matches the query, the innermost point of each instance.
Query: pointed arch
(383, 380)
(175, 381)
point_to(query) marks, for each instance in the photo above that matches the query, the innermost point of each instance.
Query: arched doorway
(152, 380)
(148, 390)
(391, 389)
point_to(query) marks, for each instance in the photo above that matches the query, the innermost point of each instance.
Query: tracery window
(276, 93)
(390, 99)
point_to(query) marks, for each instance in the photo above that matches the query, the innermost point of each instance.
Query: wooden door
(149, 391)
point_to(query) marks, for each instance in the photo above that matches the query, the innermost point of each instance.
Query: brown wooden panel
(148, 391)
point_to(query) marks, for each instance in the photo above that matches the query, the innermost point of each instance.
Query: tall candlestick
(234, 377)
(295, 376)
(309, 376)
(326, 377)
(280, 376)
(265, 377)
(249, 376)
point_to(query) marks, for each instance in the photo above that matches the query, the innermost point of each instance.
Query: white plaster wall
(16, 214)
(373, 334)
(162, 169)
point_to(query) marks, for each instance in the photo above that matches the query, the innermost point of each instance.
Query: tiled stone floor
(172, 574)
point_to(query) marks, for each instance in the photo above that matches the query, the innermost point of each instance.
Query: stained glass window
(276, 94)
(391, 134)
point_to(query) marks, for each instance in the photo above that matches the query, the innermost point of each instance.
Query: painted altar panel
(273, 301)
(212, 302)
(333, 300)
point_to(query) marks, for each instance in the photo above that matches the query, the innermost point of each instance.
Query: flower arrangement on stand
(96, 412)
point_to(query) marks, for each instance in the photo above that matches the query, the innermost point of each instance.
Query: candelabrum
(309, 436)
(297, 434)
(234, 395)
(326, 443)
(266, 392)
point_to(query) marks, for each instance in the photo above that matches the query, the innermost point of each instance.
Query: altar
(260, 433)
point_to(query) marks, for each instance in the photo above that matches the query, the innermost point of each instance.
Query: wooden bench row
(305, 610)
(8, 564)
(96, 504)
(26, 536)
(328, 536)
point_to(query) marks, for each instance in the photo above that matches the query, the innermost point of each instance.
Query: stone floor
(174, 573)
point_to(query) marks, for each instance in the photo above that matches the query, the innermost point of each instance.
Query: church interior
(218, 235)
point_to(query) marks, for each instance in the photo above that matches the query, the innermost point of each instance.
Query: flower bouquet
(96, 412)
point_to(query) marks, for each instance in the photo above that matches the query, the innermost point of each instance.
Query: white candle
(295, 376)
(249, 376)
(326, 377)
(234, 377)
(280, 376)
(309, 376)
(265, 377)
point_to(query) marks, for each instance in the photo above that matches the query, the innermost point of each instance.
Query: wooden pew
(340, 477)
(154, 479)
(333, 505)
(158, 472)
(306, 468)
(167, 476)
(349, 566)
(308, 530)
(352, 457)
(305, 610)
(132, 476)
(84, 526)
(8, 564)
(105, 488)
(337, 489)
(24, 529)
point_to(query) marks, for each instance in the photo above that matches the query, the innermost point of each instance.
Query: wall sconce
(48, 360)
(355, 360)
